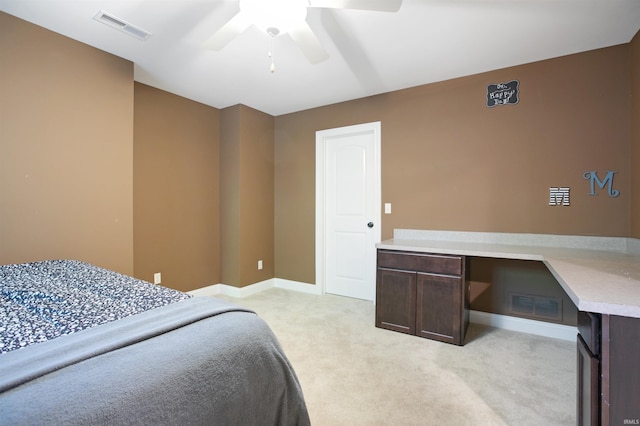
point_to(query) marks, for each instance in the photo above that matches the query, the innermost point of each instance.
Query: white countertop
(600, 274)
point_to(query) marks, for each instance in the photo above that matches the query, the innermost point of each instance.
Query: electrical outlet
(259, 265)
(157, 278)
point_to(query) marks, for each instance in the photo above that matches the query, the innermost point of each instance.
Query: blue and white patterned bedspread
(43, 300)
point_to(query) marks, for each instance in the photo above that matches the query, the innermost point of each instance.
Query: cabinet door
(588, 392)
(439, 309)
(620, 370)
(396, 300)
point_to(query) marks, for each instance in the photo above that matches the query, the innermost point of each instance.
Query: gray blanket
(198, 361)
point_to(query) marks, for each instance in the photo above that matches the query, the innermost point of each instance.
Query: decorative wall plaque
(593, 179)
(502, 93)
(559, 196)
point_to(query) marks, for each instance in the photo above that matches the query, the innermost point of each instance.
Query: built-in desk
(601, 275)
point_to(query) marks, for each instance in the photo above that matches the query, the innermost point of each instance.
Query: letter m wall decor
(593, 179)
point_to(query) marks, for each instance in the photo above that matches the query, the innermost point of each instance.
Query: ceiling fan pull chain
(273, 32)
(273, 65)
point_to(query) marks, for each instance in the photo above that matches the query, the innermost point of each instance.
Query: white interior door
(348, 207)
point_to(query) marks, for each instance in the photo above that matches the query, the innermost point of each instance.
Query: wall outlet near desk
(157, 278)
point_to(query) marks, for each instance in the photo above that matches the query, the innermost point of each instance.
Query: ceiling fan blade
(308, 42)
(378, 5)
(224, 35)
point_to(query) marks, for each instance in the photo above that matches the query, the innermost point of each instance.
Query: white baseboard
(297, 286)
(523, 325)
(540, 328)
(211, 290)
(231, 291)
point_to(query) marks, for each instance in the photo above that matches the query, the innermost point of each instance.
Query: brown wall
(176, 190)
(68, 188)
(66, 149)
(451, 163)
(635, 135)
(230, 138)
(246, 195)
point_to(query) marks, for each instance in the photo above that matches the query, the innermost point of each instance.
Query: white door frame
(321, 136)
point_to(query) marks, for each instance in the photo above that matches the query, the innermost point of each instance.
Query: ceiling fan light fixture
(273, 31)
(274, 17)
(281, 14)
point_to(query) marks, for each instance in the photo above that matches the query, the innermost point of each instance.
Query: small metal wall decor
(593, 179)
(502, 93)
(559, 196)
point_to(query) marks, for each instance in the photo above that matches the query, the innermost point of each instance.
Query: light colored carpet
(353, 373)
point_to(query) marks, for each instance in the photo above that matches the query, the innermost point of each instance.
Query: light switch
(387, 208)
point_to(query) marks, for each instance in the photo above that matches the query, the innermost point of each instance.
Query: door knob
(370, 224)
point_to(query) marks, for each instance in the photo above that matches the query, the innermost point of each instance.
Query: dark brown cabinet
(608, 370)
(422, 294)
(588, 383)
(396, 300)
(588, 380)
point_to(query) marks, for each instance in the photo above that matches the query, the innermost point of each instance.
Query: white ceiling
(370, 52)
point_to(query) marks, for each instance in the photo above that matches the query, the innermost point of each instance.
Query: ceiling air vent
(121, 25)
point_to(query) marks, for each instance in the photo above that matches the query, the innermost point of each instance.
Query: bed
(85, 345)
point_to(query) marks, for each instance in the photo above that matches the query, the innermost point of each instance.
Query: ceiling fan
(277, 17)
